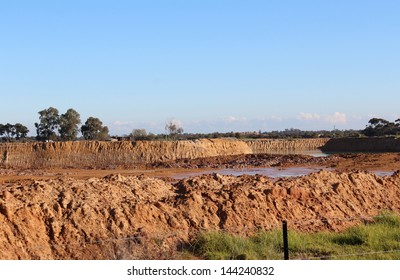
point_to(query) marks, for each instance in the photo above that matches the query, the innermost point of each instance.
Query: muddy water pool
(272, 172)
(314, 153)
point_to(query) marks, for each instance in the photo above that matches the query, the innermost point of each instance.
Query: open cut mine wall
(277, 145)
(367, 145)
(105, 154)
(95, 154)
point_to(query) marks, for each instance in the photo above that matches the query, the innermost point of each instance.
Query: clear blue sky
(214, 65)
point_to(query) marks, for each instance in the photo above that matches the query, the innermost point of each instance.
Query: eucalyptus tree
(49, 123)
(69, 125)
(21, 131)
(11, 131)
(93, 129)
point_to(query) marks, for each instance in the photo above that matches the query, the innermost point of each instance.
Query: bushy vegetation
(53, 127)
(381, 127)
(13, 132)
(379, 239)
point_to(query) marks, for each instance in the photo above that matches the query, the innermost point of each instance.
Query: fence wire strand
(355, 255)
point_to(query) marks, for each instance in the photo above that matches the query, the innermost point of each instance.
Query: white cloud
(272, 118)
(308, 117)
(337, 118)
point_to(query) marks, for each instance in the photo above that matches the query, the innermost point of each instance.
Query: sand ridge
(51, 219)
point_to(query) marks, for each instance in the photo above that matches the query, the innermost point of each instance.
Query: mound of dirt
(85, 219)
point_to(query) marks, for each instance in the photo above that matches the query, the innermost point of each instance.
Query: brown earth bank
(125, 217)
(261, 146)
(364, 145)
(94, 154)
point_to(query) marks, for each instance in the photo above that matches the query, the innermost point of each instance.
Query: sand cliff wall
(362, 145)
(96, 154)
(273, 145)
(107, 154)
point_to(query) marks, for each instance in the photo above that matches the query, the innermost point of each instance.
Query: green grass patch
(375, 240)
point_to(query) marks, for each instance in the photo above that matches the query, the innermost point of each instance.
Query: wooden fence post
(285, 241)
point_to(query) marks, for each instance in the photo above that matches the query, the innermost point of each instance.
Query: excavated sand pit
(132, 208)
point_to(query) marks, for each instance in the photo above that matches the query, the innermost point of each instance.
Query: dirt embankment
(94, 219)
(274, 145)
(108, 154)
(116, 154)
(368, 145)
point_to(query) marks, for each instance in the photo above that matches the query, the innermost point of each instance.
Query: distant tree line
(376, 127)
(141, 134)
(65, 127)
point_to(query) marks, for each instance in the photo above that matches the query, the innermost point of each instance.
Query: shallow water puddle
(267, 171)
(383, 173)
(271, 172)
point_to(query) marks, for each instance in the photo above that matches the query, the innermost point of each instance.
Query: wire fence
(360, 241)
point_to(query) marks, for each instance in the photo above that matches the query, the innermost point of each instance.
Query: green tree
(138, 134)
(93, 129)
(9, 130)
(69, 123)
(381, 127)
(13, 130)
(21, 131)
(49, 123)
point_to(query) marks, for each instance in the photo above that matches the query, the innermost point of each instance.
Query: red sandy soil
(84, 214)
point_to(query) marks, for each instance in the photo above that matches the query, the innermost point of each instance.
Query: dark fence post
(285, 241)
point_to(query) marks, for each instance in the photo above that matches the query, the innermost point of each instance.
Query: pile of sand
(83, 219)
